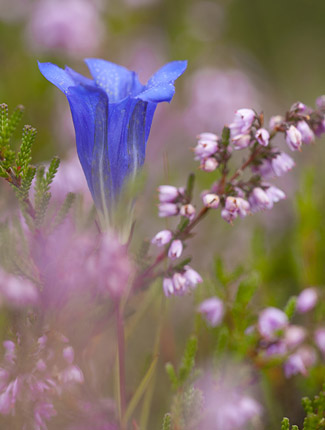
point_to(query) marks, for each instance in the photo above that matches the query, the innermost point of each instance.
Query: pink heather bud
(207, 136)
(209, 164)
(259, 200)
(237, 205)
(299, 107)
(192, 277)
(320, 339)
(306, 300)
(276, 348)
(167, 209)
(188, 211)
(320, 102)
(162, 238)
(168, 287)
(205, 148)
(241, 141)
(68, 354)
(228, 216)
(282, 163)
(167, 193)
(276, 121)
(294, 335)
(307, 134)
(212, 309)
(275, 195)
(293, 138)
(262, 136)
(41, 365)
(294, 365)
(231, 204)
(248, 408)
(319, 127)
(243, 121)
(180, 283)
(175, 249)
(211, 200)
(71, 374)
(270, 321)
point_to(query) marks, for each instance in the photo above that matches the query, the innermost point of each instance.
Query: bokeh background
(241, 53)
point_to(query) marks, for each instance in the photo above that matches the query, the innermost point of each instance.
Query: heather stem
(121, 365)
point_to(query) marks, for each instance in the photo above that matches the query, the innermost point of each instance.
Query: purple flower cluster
(239, 197)
(282, 339)
(34, 377)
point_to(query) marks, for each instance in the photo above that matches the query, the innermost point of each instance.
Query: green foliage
(186, 367)
(167, 422)
(225, 136)
(290, 307)
(42, 189)
(315, 414)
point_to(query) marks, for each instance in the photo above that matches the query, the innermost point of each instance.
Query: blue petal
(59, 77)
(89, 108)
(157, 94)
(77, 78)
(160, 87)
(168, 73)
(117, 81)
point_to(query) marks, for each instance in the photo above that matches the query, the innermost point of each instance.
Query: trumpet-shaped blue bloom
(112, 115)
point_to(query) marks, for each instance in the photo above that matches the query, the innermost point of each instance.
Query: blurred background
(241, 53)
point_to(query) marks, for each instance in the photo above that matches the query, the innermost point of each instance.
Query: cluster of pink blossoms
(281, 339)
(243, 191)
(34, 377)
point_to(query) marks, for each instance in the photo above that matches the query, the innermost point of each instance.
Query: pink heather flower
(319, 127)
(299, 107)
(109, 266)
(228, 216)
(306, 300)
(175, 249)
(275, 195)
(168, 193)
(17, 291)
(241, 141)
(167, 209)
(282, 163)
(259, 200)
(209, 164)
(294, 335)
(162, 238)
(276, 121)
(212, 309)
(308, 355)
(242, 122)
(188, 211)
(294, 365)
(68, 354)
(211, 200)
(207, 136)
(276, 349)
(319, 337)
(293, 138)
(237, 205)
(262, 136)
(270, 321)
(192, 277)
(180, 283)
(71, 26)
(226, 406)
(205, 148)
(168, 287)
(320, 102)
(307, 134)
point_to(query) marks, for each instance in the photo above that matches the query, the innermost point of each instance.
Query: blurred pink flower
(17, 291)
(227, 404)
(215, 95)
(71, 26)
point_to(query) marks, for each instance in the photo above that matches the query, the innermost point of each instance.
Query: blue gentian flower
(112, 115)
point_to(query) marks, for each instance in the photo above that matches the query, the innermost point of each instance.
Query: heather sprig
(239, 191)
